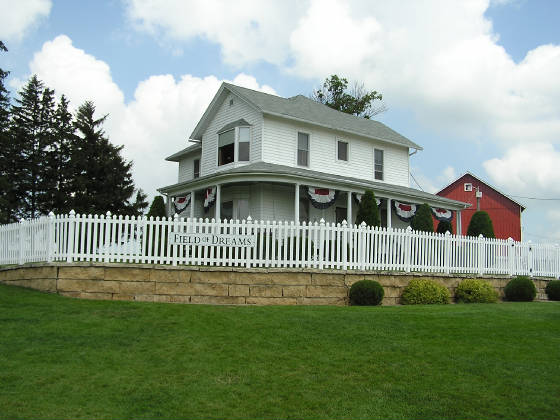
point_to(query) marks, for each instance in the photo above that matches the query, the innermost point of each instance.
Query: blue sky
(475, 83)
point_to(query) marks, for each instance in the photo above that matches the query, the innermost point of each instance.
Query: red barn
(504, 212)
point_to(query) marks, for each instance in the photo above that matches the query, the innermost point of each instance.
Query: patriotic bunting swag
(442, 214)
(358, 198)
(321, 198)
(405, 212)
(209, 198)
(181, 203)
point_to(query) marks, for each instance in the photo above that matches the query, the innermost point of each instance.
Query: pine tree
(7, 197)
(102, 179)
(157, 208)
(481, 224)
(368, 211)
(422, 220)
(444, 226)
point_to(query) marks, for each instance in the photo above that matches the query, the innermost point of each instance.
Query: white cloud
(19, 16)
(155, 124)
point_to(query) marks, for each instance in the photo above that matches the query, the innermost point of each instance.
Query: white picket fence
(278, 244)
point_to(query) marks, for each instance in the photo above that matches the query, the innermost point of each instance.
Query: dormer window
(234, 143)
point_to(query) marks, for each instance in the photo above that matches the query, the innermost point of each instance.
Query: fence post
(71, 229)
(344, 234)
(249, 249)
(107, 229)
(21, 232)
(407, 248)
(557, 262)
(321, 242)
(447, 252)
(361, 249)
(480, 254)
(511, 256)
(175, 247)
(530, 259)
(50, 237)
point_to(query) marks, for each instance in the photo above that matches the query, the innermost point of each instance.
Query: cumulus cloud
(155, 124)
(17, 17)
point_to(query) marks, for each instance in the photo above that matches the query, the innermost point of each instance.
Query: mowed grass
(66, 358)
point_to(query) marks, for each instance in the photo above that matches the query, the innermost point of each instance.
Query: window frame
(375, 171)
(298, 132)
(235, 146)
(339, 140)
(196, 174)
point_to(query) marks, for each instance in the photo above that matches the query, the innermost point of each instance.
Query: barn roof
(485, 183)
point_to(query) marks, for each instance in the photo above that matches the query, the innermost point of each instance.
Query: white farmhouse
(275, 158)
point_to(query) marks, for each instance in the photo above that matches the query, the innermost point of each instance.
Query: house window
(226, 212)
(341, 213)
(196, 171)
(342, 150)
(226, 147)
(244, 136)
(303, 149)
(378, 157)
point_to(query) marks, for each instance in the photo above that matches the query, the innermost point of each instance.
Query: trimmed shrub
(520, 289)
(366, 293)
(444, 226)
(475, 291)
(368, 211)
(553, 290)
(422, 220)
(424, 291)
(481, 224)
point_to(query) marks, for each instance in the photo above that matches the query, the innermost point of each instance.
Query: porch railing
(319, 245)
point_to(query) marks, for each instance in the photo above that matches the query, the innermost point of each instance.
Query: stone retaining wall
(219, 285)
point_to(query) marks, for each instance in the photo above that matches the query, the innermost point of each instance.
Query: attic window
(468, 186)
(230, 102)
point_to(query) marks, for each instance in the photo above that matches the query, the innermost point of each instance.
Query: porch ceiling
(268, 172)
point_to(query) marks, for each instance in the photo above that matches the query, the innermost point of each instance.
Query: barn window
(468, 186)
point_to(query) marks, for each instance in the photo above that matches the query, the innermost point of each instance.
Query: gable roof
(485, 183)
(302, 109)
(175, 157)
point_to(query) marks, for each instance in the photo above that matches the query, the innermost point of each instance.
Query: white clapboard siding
(320, 245)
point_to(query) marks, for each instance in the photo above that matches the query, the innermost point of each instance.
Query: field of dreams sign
(213, 239)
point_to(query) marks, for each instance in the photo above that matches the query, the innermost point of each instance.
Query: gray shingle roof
(175, 157)
(411, 194)
(307, 110)
(238, 123)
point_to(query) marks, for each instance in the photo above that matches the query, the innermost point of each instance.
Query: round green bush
(553, 290)
(366, 293)
(520, 289)
(475, 291)
(424, 291)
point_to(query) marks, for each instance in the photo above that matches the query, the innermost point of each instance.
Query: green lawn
(66, 358)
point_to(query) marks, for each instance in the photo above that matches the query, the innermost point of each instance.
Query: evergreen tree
(481, 224)
(102, 179)
(157, 208)
(140, 203)
(7, 198)
(368, 211)
(444, 226)
(422, 220)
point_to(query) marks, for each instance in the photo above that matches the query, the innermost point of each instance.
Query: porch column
(459, 223)
(167, 206)
(349, 208)
(389, 222)
(218, 204)
(192, 205)
(296, 204)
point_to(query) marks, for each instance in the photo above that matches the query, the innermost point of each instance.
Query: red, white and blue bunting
(321, 198)
(181, 203)
(209, 198)
(442, 214)
(404, 211)
(358, 198)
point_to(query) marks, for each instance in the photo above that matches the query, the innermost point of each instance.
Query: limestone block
(266, 291)
(326, 291)
(393, 292)
(255, 300)
(209, 290)
(290, 278)
(45, 285)
(219, 300)
(95, 296)
(350, 279)
(162, 298)
(70, 294)
(164, 276)
(173, 288)
(185, 276)
(211, 276)
(144, 298)
(390, 301)
(327, 279)
(241, 277)
(293, 291)
(322, 301)
(120, 296)
(88, 285)
(127, 274)
(137, 287)
(86, 273)
(238, 290)
(180, 299)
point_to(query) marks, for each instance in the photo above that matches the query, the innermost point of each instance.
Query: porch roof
(269, 172)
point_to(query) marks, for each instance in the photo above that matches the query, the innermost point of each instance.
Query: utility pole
(478, 197)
